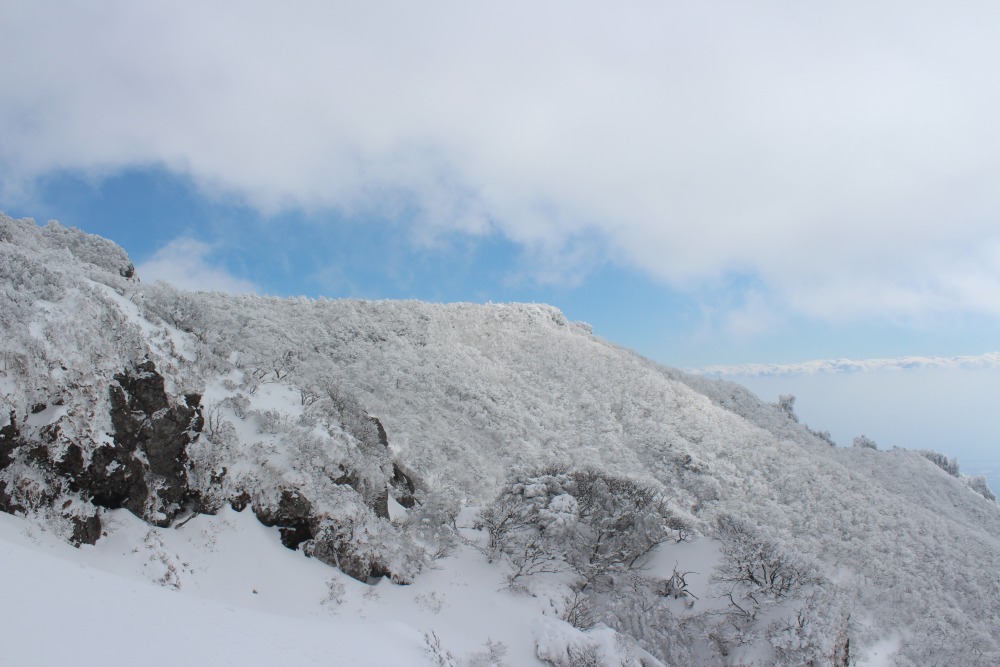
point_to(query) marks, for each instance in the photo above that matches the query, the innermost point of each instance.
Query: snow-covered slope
(360, 429)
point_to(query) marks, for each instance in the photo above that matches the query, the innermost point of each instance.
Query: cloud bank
(842, 158)
(990, 360)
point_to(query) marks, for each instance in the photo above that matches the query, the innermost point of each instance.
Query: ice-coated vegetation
(642, 514)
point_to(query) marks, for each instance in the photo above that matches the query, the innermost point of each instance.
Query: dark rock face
(10, 438)
(146, 427)
(143, 470)
(143, 467)
(383, 438)
(114, 479)
(404, 487)
(381, 505)
(293, 516)
(350, 564)
(86, 530)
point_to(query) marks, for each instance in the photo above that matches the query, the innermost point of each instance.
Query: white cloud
(843, 154)
(990, 360)
(186, 263)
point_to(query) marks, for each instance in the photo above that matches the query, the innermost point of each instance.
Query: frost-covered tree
(586, 521)
(786, 403)
(979, 484)
(864, 442)
(757, 570)
(946, 463)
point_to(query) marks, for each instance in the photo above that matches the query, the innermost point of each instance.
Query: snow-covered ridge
(987, 360)
(367, 434)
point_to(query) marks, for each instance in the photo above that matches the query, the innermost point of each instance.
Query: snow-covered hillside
(489, 464)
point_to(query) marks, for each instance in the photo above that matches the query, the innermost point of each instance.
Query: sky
(708, 183)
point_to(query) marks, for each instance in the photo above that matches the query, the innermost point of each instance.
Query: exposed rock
(240, 502)
(352, 562)
(383, 438)
(351, 565)
(145, 471)
(86, 530)
(10, 438)
(404, 487)
(293, 516)
(6, 502)
(115, 479)
(381, 505)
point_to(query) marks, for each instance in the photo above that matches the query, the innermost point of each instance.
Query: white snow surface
(221, 590)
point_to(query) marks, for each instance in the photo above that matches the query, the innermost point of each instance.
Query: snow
(171, 340)
(396, 511)
(222, 590)
(60, 606)
(882, 652)
(239, 598)
(49, 415)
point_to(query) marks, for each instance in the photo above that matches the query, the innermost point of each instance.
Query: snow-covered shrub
(619, 522)
(814, 630)
(579, 608)
(757, 570)
(269, 421)
(786, 403)
(431, 522)
(437, 654)
(175, 307)
(579, 655)
(335, 592)
(948, 464)
(351, 537)
(864, 442)
(433, 602)
(822, 435)
(979, 484)
(492, 655)
(591, 522)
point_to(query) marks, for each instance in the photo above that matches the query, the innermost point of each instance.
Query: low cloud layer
(990, 360)
(839, 157)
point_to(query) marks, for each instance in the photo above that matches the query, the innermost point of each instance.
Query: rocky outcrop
(293, 516)
(142, 469)
(10, 439)
(150, 447)
(383, 437)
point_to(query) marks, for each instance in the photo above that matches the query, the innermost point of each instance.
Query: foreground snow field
(102, 605)
(221, 590)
